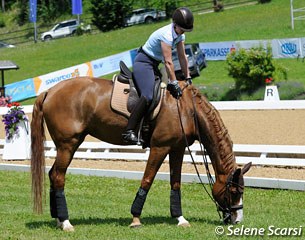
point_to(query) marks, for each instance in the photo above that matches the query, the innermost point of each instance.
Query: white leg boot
(65, 225)
(182, 222)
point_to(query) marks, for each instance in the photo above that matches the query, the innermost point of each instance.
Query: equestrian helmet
(184, 18)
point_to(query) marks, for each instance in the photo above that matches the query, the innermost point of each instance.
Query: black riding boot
(136, 115)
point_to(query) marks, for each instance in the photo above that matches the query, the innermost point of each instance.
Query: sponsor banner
(133, 53)
(303, 47)
(44, 82)
(20, 90)
(33, 10)
(286, 48)
(217, 50)
(77, 7)
(104, 66)
(253, 44)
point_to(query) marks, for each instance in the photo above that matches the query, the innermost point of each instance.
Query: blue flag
(77, 7)
(33, 10)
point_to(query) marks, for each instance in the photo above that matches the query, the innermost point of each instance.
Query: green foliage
(216, 92)
(250, 68)
(109, 15)
(264, 1)
(170, 7)
(79, 31)
(2, 22)
(291, 90)
(48, 11)
(22, 8)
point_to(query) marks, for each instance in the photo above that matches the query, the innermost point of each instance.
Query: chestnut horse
(74, 108)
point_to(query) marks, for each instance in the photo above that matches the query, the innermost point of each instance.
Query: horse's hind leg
(58, 205)
(175, 161)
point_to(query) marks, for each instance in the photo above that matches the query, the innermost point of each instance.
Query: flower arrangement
(12, 118)
(269, 81)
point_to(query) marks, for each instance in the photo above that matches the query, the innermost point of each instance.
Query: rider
(158, 48)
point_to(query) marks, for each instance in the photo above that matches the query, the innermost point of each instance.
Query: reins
(205, 161)
(228, 208)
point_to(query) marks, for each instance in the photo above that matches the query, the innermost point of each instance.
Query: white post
(18, 148)
(291, 13)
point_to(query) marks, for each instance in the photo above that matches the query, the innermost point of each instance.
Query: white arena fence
(264, 155)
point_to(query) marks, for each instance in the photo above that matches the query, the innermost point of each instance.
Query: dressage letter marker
(271, 94)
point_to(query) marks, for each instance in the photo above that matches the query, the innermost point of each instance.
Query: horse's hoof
(68, 229)
(135, 225)
(184, 224)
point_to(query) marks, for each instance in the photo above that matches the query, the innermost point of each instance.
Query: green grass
(259, 21)
(99, 208)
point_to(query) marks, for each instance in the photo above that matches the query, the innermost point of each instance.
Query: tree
(6, 4)
(49, 10)
(22, 16)
(110, 14)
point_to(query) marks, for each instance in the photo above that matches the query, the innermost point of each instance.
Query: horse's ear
(246, 168)
(236, 174)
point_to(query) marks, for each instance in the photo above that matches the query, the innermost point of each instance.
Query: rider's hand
(174, 89)
(189, 81)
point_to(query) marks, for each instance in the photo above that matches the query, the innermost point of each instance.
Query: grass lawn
(99, 208)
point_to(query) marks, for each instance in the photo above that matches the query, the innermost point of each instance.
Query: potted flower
(13, 119)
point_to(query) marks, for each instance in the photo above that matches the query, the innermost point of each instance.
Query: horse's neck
(216, 139)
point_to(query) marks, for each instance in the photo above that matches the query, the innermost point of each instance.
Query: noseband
(227, 208)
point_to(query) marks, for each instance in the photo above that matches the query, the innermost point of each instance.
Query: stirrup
(130, 137)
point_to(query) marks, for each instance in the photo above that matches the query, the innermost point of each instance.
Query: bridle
(228, 207)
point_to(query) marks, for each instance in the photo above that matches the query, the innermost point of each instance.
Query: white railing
(257, 154)
(268, 155)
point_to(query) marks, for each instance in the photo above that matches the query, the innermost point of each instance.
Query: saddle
(125, 95)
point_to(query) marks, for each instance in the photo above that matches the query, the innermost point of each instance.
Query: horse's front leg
(175, 161)
(156, 157)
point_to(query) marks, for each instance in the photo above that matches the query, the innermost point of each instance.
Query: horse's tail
(37, 153)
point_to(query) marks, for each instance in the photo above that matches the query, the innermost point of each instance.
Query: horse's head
(229, 195)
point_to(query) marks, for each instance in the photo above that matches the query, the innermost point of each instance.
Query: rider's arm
(168, 61)
(183, 59)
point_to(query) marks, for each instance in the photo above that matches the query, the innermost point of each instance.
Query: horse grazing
(75, 108)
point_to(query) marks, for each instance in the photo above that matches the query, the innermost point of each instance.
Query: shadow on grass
(119, 221)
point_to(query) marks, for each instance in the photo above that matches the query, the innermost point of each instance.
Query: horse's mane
(219, 139)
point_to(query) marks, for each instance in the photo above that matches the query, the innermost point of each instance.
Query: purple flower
(14, 116)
